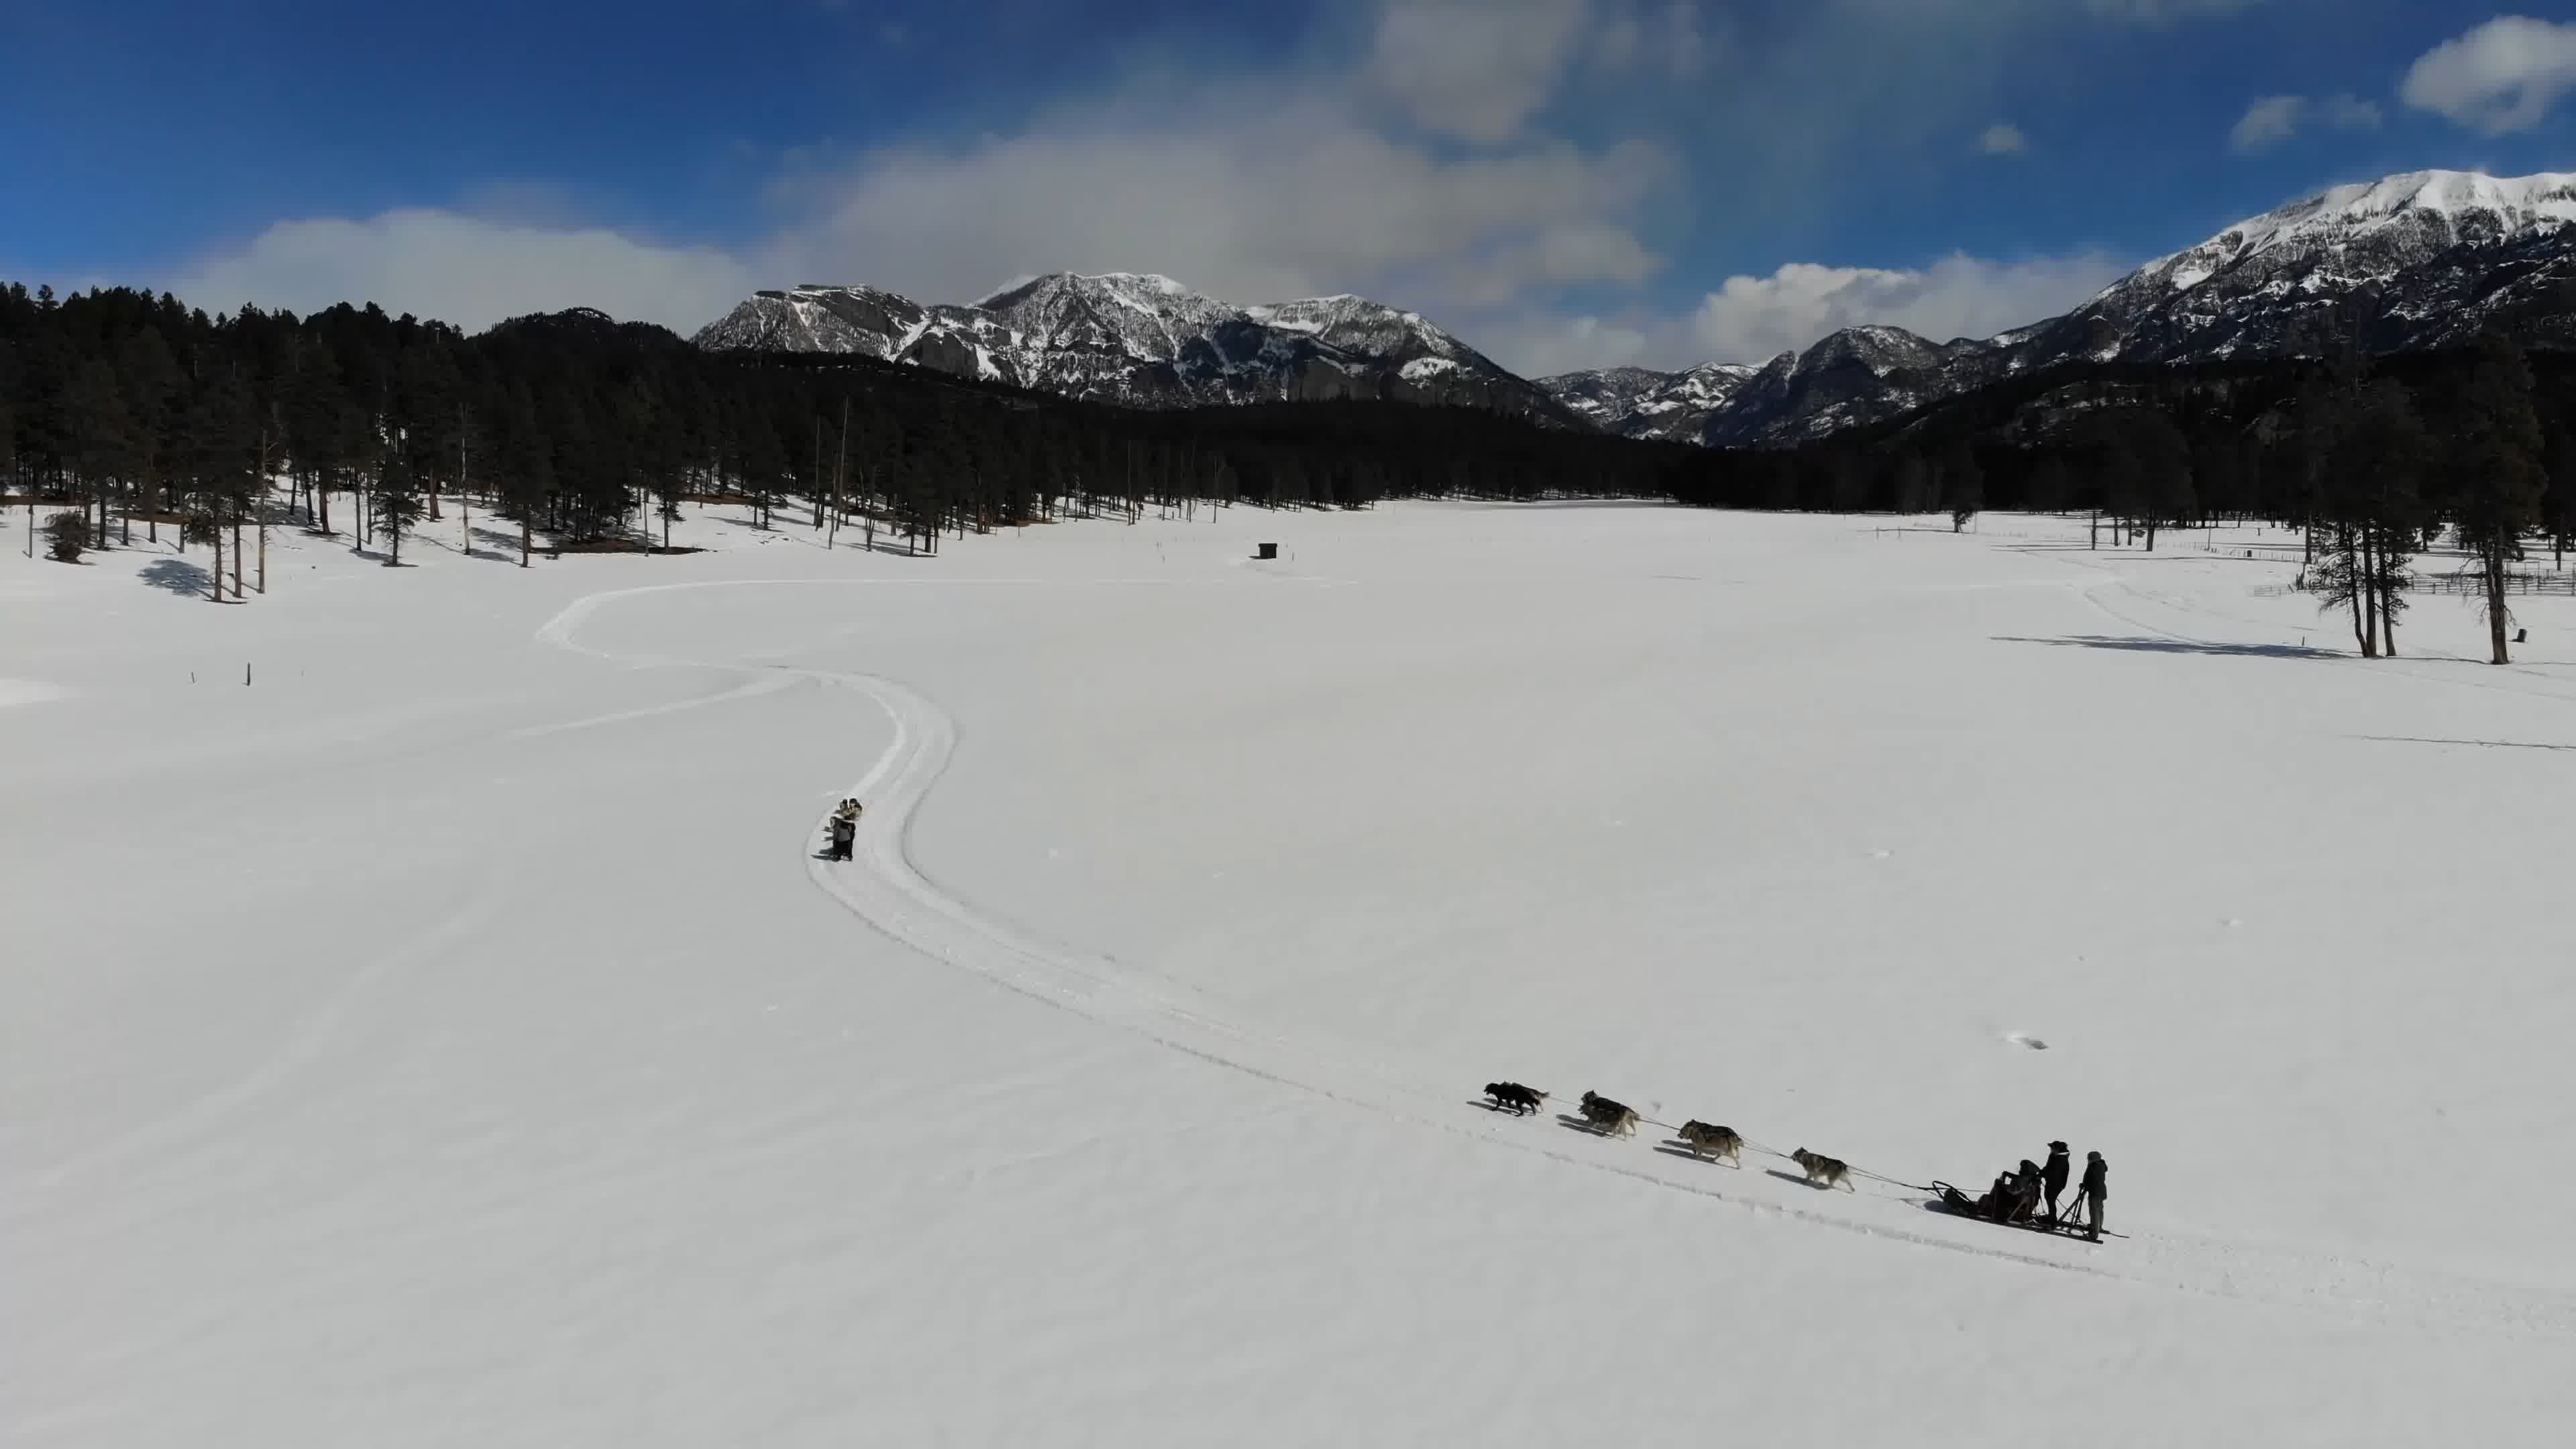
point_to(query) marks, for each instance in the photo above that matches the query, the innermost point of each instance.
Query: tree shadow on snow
(176, 576)
(2155, 644)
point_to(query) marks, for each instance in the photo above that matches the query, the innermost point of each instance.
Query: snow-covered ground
(449, 1038)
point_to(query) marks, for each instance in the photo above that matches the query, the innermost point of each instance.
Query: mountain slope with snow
(1639, 402)
(1145, 341)
(2421, 260)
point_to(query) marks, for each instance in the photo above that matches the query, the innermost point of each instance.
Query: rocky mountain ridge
(1143, 340)
(2420, 260)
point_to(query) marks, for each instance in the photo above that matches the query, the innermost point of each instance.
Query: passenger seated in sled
(2013, 1198)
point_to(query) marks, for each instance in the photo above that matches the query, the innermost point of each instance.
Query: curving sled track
(883, 887)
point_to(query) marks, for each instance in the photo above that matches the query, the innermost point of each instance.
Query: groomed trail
(885, 888)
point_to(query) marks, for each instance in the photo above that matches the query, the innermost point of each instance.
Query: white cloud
(1249, 203)
(1476, 70)
(1256, 203)
(2274, 119)
(468, 270)
(1290, 183)
(2002, 140)
(1753, 319)
(2501, 77)
(1543, 345)
(2268, 122)
(1748, 319)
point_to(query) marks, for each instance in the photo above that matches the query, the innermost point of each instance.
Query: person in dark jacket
(2052, 1178)
(2095, 1187)
(1999, 1199)
(845, 834)
(2026, 1187)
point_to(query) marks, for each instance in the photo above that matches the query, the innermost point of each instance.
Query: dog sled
(1986, 1209)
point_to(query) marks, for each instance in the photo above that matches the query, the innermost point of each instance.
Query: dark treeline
(2376, 458)
(126, 412)
(122, 411)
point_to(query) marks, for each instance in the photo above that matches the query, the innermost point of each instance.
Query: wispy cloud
(2275, 119)
(1749, 318)
(468, 269)
(1423, 163)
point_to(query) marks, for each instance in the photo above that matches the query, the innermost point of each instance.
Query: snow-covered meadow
(450, 1037)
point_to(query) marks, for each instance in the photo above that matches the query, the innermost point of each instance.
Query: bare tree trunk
(2366, 593)
(527, 533)
(238, 595)
(2388, 566)
(2496, 613)
(840, 471)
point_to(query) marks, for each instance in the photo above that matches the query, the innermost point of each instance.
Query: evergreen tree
(2495, 470)
(2558, 502)
(1963, 484)
(397, 503)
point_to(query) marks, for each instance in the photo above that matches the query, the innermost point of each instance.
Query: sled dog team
(1706, 1140)
(2014, 1198)
(845, 828)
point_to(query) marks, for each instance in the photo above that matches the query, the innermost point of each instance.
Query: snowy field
(450, 1038)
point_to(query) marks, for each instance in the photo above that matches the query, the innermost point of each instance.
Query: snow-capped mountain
(2424, 259)
(2431, 256)
(1142, 340)
(1639, 402)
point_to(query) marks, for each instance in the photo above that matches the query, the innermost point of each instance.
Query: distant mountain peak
(2431, 256)
(1144, 339)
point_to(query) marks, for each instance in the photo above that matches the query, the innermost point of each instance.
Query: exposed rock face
(2426, 259)
(1639, 402)
(1145, 341)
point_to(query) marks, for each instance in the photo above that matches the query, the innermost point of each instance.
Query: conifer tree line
(124, 414)
(2377, 460)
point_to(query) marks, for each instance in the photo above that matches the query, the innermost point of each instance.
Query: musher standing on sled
(2052, 1178)
(845, 829)
(2096, 1187)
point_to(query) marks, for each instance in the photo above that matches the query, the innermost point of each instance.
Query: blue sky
(1562, 182)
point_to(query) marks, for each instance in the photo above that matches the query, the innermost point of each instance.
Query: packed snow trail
(889, 892)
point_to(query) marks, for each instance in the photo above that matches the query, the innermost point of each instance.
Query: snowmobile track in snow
(883, 887)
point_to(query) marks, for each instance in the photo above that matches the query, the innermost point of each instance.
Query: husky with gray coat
(1823, 1171)
(1610, 1119)
(1711, 1142)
